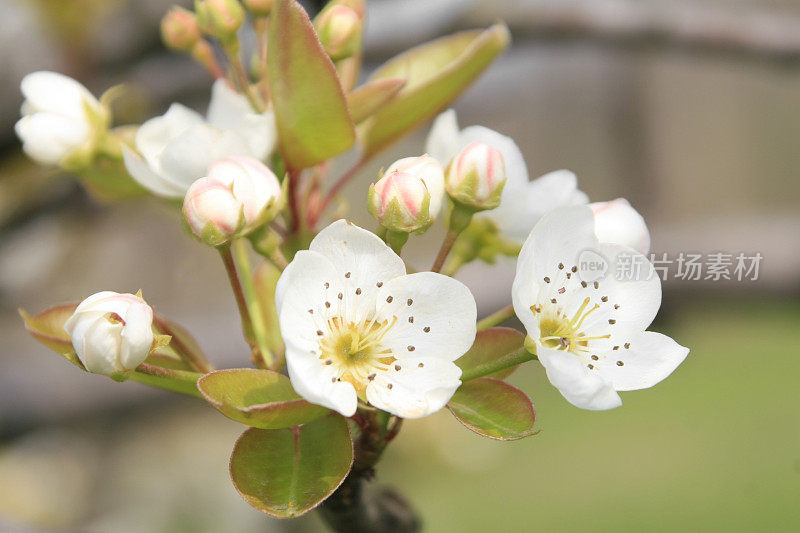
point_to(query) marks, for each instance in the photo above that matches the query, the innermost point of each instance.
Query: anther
(421, 365)
(596, 284)
(627, 345)
(604, 299)
(371, 377)
(411, 320)
(319, 332)
(561, 266)
(574, 269)
(358, 291)
(347, 274)
(397, 367)
(389, 300)
(379, 284)
(553, 300)
(410, 301)
(595, 358)
(340, 296)
(389, 386)
(583, 284)
(426, 329)
(411, 348)
(327, 304)
(546, 279)
(612, 321)
(620, 363)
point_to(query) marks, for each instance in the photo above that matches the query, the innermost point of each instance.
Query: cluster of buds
(239, 195)
(339, 27)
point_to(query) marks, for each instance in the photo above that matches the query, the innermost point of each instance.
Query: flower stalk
(267, 358)
(496, 318)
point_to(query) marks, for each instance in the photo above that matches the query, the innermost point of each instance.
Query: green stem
(241, 302)
(507, 361)
(396, 240)
(496, 318)
(240, 74)
(251, 301)
(447, 245)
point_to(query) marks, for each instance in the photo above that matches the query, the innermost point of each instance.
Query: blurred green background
(700, 135)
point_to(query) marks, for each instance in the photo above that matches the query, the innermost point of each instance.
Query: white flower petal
(147, 178)
(422, 386)
(49, 138)
(618, 222)
(651, 358)
(55, 93)
(154, 135)
(100, 347)
(443, 143)
(187, 158)
(580, 386)
(137, 335)
(435, 316)
(362, 260)
(302, 288)
(317, 383)
(230, 110)
(521, 210)
(559, 237)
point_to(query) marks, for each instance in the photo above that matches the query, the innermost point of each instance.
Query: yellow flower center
(355, 351)
(558, 331)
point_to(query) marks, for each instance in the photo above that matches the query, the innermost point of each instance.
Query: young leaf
(490, 345)
(181, 381)
(47, 327)
(259, 398)
(310, 107)
(287, 472)
(364, 101)
(435, 73)
(494, 409)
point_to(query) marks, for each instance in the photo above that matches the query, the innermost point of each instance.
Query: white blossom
(59, 117)
(356, 326)
(587, 327)
(523, 202)
(178, 147)
(111, 332)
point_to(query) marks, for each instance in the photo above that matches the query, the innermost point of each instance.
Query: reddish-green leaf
(435, 73)
(494, 409)
(310, 107)
(366, 100)
(47, 327)
(258, 398)
(490, 346)
(287, 472)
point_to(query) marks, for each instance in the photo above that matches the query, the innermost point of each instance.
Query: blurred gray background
(690, 109)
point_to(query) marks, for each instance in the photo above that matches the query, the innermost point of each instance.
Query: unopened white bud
(112, 333)
(400, 201)
(60, 119)
(617, 222)
(428, 170)
(476, 176)
(339, 30)
(220, 18)
(239, 195)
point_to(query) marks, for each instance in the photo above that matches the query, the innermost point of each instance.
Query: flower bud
(220, 18)
(112, 333)
(180, 30)
(400, 201)
(259, 8)
(617, 222)
(61, 120)
(339, 31)
(476, 176)
(239, 195)
(428, 170)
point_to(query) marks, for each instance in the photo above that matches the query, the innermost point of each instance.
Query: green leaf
(435, 73)
(366, 100)
(310, 107)
(494, 409)
(490, 345)
(47, 327)
(181, 381)
(258, 398)
(287, 472)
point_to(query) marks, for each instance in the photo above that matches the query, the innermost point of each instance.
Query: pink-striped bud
(239, 195)
(617, 222)
(400, 201)
(476, 176)
(428, 170)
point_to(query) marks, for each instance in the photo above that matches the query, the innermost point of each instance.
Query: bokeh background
(690, 109)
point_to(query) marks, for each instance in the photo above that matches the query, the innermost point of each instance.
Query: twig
(447, 245)
(334, 190)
